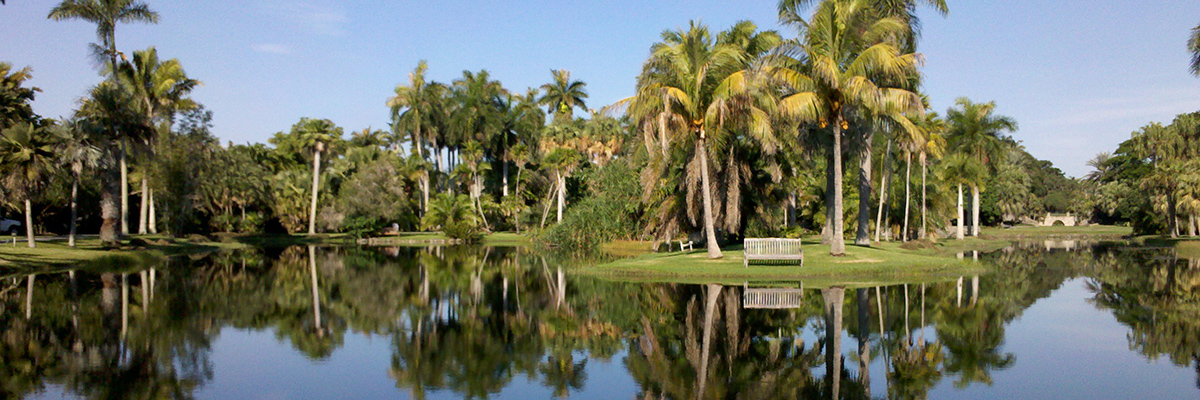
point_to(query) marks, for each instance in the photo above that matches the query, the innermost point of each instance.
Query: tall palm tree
(690, 89)
(934, 146)
(563, 95)
(14, 98)
(518, 155)
(974, 130)
(77, 152)
(519, 120)
(961, 169)
(317, 134)
(162, 88)
(106, 14)
(27, 156)
(1194, 48)
(414, 110)
(846, 59)
(109, 113)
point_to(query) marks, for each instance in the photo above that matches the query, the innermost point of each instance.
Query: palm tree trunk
(862, 235)
(1192, 225)
(837, 245)
(516, 211)
(29, 223)
(144, 210)
(424, 192)
(1172, 223)
(312, 264)
(561, 193)
(153, 215)
(74, 211)
(959, 235)
(710, 305)
(312, 209)
(975, 210)
(907, 196)
(924, 227)
(827, 230)
(29, 296)
(863, 303)
(883, 190)
(714, 251)
(834, 298)
(108, 208)
(124, 191)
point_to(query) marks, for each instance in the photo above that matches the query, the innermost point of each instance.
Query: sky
(1078, 76)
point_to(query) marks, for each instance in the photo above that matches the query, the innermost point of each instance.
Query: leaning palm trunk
(883, 190)
(975, 210)
(312, 210)
(124, 191)
(907, 197)
(710, 233)
(837, 246)
(959, 234)
(144, 211)
(29, 223)
(862, 234)
(74, 211)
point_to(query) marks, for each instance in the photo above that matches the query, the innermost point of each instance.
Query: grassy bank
(1110, 232)
(862, 266)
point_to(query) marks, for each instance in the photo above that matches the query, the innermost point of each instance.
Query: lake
(1084, 321)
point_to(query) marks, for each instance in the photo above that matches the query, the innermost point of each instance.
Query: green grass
(1081, 232)
(425, 238)
(56, 254)
(862, 266)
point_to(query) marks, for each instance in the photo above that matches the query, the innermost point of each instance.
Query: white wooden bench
(772, 249)
(683, 245)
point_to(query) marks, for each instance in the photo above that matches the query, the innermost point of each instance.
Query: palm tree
(691, 88)
(110, 113)
(106, 14)
(162, 88)
(841, 64)
(77, 152)
(974, 130)
(27, 156)
(1194, 48)
(520, 119)
(414, 108)
(563, 95)
(934, 146)
(518, 155)
(14, 99)
(447, 209)
(960, 169)
(316, 134)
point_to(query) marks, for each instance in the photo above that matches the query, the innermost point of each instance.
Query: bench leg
(745, 262)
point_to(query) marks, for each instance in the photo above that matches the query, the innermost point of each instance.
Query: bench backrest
(772, 246)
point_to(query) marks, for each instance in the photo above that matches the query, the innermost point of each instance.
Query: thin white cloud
(272, 48)
(319, 19)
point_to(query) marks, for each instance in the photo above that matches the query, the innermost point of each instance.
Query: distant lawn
(427, 238)
(862, 266)
(1034, 232)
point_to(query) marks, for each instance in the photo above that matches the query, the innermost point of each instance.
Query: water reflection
(476, 322)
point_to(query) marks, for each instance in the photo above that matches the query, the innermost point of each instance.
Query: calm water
(1093, 322)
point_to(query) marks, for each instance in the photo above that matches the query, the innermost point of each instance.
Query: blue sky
(1078, 76)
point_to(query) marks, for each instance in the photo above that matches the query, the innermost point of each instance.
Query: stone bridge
(1066, 219)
